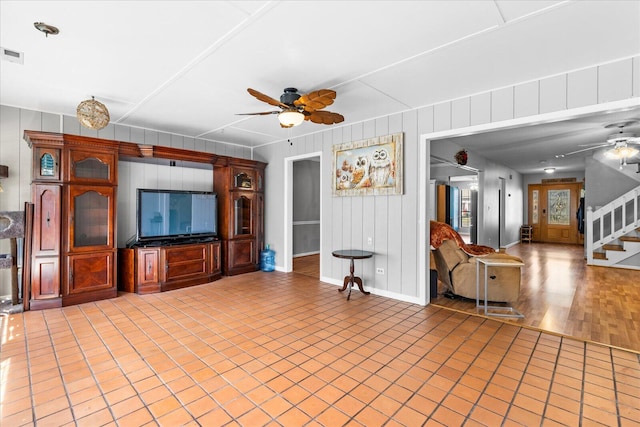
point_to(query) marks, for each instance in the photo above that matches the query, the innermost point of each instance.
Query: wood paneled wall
(392, 221)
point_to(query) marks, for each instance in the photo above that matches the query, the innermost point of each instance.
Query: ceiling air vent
(12, 55)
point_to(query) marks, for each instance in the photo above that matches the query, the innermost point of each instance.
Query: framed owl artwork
(368, 167)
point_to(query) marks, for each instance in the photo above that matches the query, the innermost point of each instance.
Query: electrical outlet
(369, 241)
(380, 270)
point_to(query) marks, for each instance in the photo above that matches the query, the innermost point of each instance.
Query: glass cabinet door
(242, 216)
(91, 167)
(90, 222)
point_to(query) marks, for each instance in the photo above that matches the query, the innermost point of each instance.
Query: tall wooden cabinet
(74, 183)
(240, 188)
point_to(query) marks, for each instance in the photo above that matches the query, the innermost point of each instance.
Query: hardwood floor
(561, 294)
(308, 265)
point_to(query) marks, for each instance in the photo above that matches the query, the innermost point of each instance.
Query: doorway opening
(302, 214)
(434, 145)
(454, 196)
(467, 200)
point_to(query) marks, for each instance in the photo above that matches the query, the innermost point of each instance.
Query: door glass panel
(559, 207)
(534, 206)
(92, 168)
(242, 215)
(91, 219)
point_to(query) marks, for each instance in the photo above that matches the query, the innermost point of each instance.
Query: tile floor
(285, 349)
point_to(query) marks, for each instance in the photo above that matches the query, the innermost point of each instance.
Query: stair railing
(612, 221)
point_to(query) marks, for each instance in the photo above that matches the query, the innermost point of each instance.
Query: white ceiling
(184, 66)
(531, 148)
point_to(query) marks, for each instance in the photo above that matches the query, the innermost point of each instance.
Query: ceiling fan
(621, 143)
(295, 108)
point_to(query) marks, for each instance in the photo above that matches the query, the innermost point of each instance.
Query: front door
(552, 212)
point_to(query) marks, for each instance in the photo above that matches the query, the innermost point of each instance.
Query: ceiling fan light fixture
(621, 152)
(92, 114)
(290, 118)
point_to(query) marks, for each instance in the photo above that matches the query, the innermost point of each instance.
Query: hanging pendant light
(92, 114)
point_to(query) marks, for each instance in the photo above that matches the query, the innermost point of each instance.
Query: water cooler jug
(267, 260)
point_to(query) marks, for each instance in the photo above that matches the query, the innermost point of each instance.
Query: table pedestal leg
(350, 280)
(347, 280)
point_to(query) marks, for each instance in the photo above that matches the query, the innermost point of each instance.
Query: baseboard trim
(306, 254)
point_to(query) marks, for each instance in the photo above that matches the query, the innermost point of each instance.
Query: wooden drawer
(178, 254)
(183, 261)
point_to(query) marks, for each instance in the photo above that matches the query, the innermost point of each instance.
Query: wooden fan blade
(264, 113)
(265, 98)
(316, 100)
(324, 117)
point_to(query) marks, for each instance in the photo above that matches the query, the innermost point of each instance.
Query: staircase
(613, 232)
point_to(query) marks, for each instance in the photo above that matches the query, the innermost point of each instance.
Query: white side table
(492, 310)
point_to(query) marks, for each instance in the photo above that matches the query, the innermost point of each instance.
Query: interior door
(557, 205)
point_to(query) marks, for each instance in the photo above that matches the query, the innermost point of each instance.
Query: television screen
(171, 214)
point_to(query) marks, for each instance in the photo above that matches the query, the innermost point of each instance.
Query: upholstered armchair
(457, 271)
(457, 268)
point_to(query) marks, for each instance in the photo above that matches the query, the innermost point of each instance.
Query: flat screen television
(167, 215)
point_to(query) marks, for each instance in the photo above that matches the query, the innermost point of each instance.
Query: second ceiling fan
(296, 108)
(621, 142)
(622, 145)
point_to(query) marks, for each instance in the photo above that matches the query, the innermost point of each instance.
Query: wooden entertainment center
(146, 270)
(73, 256)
